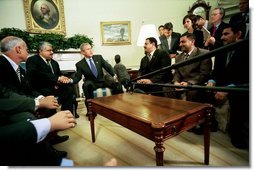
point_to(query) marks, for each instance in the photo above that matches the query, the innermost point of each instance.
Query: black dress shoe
(58, 139)
(60, 154)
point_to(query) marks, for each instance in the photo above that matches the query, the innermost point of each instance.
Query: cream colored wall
(84, 17)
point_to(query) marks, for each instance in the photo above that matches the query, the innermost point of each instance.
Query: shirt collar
(13, 64)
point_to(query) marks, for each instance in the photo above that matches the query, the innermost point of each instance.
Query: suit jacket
(196, 73)
(236, 71)
(15, 107)
(19, 147)
(217, 36)
(121, 72)
(175, 40)
(159, 60)
(10, 79)
(84, 69)
(40, 75)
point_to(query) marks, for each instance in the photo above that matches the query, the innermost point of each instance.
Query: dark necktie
(186, 56)
(93, 68)
(229, 56)
(18, 73)
(49, 64)
(214, 30)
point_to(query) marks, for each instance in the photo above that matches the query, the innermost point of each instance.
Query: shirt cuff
(42, 127)
(37, 101)
(66, 162)
(212, 81)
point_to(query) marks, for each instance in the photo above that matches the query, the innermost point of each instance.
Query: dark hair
(237, 26)
(190, 36)
(117, 58)
(161, 26)
(199, 17)
(152, 40)
(192, 17)
(168, 26)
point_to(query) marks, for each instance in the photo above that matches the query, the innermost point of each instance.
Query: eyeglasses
(215, 14)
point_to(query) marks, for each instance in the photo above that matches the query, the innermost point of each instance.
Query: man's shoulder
(201, 50)
(33, 57)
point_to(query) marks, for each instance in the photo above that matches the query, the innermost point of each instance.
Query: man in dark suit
(20, 107)
(14, 51)
(45, 76)
(21, 142)
(155, 59)
(192, 74)
(242, 16)
(170, 40)
(233, 70)
(10, 59)
(214, 41)
(93, 68)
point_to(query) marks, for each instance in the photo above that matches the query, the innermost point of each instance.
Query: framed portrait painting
(116, 33)
(45, 16)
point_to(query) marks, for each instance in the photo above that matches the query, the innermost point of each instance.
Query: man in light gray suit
(192, 74)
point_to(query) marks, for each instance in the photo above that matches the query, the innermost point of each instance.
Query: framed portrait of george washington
(116, 33)
(45, 16)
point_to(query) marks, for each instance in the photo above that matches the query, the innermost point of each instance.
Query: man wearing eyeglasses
(214, 40)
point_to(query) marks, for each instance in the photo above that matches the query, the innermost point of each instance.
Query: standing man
(155, 59)
(91, 66)
(203, 25)
(233, 70)
(161, 30)
(242, 16)
(214, 41)
(121, 72)
(170, 40)
(45, 76)
(192, 74)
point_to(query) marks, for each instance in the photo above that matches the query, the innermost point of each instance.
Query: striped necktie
(49, 64)
(18, 73)
(149, 56)
(186, 56)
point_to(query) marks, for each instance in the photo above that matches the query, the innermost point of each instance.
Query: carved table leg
(91, 118)
(207, 130)
(159, 148)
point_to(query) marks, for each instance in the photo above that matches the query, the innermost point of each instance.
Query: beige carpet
(130, 149)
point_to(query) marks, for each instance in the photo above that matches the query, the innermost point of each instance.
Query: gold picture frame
(116, 33)
(45, 16)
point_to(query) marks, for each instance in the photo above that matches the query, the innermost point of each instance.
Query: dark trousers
(90, 86)
(239, 119)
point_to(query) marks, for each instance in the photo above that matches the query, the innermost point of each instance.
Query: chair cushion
(101, 92)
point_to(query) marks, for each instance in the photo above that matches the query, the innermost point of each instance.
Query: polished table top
(149, 109)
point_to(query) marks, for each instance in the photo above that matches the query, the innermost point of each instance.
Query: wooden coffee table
(156, 118)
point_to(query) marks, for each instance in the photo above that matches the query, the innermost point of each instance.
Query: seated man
(193, 74)
(91, 66)
(14, 51)
(154, 60)
(45, 76)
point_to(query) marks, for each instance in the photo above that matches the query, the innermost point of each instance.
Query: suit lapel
(43, 63)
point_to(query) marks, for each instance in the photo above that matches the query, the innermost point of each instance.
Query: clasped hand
(64, 80)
